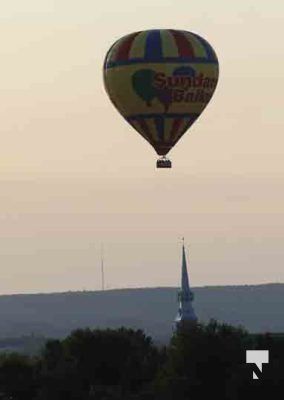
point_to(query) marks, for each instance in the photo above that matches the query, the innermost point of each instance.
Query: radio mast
(102, 267)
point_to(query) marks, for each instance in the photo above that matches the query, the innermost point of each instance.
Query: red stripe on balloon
(176, 126)
(124, 49)
(185, 48)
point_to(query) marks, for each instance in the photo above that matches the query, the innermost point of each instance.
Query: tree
(98, 363)
(18, 380)
(202, 357)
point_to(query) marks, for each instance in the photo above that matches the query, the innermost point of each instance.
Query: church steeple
(185, 295)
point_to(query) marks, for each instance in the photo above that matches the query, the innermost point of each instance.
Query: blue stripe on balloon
(159, 122)
(162, 60)
(153, 46)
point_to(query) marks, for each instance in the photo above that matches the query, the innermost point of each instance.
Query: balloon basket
(164, 162)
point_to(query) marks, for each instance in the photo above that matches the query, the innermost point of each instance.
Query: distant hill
(257, 308)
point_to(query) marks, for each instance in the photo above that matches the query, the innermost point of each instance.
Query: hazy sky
(73, 174)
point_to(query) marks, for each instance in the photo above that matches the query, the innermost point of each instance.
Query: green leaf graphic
(142, 82)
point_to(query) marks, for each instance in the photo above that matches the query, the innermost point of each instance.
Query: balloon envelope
(161, 81)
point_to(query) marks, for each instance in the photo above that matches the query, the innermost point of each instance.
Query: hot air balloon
(160, 81)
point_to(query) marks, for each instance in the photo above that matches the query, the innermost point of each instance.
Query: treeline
(200, 361)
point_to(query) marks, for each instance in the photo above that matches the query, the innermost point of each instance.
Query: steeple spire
(184, 274)
(185, 295)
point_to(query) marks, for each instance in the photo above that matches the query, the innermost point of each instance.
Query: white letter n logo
(257, 357)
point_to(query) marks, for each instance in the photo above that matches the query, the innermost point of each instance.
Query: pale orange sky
(73, 174)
